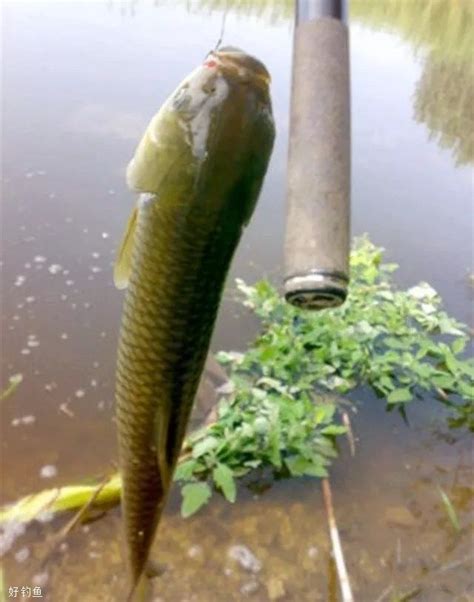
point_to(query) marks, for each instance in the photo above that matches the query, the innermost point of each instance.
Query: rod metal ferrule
(318, 214)
(316, 290)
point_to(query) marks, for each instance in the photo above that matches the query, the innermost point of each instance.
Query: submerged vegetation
(283, 406)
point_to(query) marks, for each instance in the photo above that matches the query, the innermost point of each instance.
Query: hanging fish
(198, 170)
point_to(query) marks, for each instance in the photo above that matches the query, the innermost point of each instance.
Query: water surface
(80, 82)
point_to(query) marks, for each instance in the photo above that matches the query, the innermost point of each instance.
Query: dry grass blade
(15, 381)
(450, 510)
(82, 512)
(344, 582)
(59, 537)
(384, 595)
(350, 433)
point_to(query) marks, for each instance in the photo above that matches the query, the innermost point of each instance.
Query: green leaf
(334, 429)
(394, 343)
(399, 396)
(323, 413)
(467, 367)
(261, 425)
(451, 363)
(224, 478)
(195, 495)
(449, 326)
(466, 390)
(205, 446)
(386, 382)
(296, 465)
(274, 438)
(458, 345)
(268, 354)
(299, 466)
(444, 381)
(185, 470)
(316, 470)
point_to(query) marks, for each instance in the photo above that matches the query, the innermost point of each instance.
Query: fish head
(209, 84)
(209, 108)
(242, 67)
(224, 76)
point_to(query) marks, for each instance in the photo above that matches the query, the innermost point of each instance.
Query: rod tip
(316, 290)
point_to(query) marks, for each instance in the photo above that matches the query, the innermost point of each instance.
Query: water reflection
(270, 11)
(440, 31)
(444, 103)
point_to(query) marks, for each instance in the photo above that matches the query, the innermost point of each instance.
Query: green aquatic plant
(282, 411)
(263, 424)
(283, 405)
(400, 343)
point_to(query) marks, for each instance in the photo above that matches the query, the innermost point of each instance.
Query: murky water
(80, 82)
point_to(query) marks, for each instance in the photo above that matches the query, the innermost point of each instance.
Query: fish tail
(140, 590)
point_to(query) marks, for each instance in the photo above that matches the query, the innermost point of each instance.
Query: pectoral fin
(123, 263)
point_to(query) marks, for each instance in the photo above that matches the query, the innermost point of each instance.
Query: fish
(198, 171)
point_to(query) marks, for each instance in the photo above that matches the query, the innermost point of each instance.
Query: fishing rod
(318, 181)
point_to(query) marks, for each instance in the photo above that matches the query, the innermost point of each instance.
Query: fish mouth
(236, 62)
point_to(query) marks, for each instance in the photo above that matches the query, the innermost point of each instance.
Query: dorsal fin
(123, 263)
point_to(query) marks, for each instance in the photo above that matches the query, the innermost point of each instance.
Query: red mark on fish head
(210, 63)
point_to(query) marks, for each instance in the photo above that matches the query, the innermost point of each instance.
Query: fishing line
(221, 35)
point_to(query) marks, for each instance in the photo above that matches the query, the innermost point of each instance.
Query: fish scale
(142, 349)
(184, 237)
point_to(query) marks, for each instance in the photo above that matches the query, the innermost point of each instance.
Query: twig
(66, 409)
(350, 433)
(399, 552)
(386, 592)
(336, 544)
(82, 511)
(442, 394)
(410, 594)
(71, 497)
(455, 564)
(59, 537)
